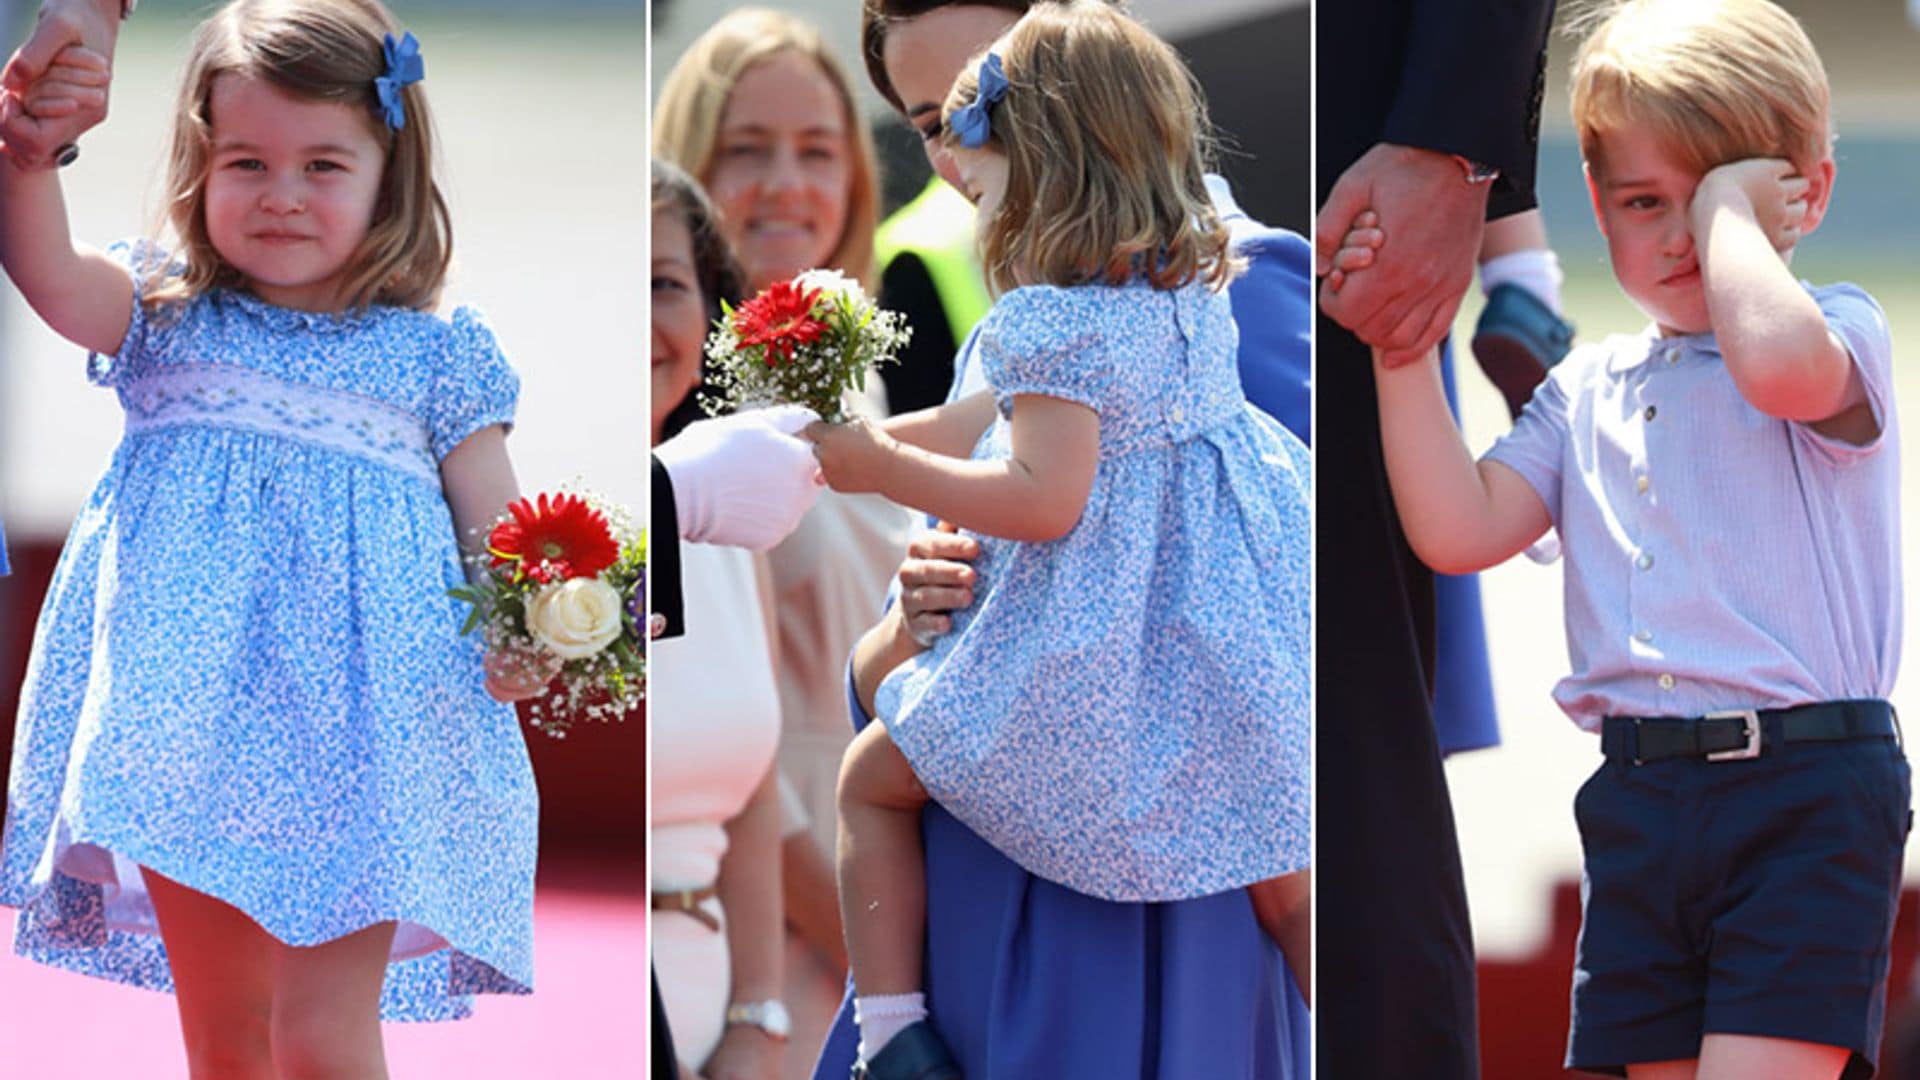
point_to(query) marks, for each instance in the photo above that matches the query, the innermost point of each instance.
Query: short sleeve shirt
(1716, 557)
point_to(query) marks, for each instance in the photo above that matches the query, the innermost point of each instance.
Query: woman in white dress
(714, 718)
(759, 110)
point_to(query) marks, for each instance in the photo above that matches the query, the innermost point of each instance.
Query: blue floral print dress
(1125, 710)
(247, 675)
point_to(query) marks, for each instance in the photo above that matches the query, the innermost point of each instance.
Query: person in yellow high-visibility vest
(929, 270)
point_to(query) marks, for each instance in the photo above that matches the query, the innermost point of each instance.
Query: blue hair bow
(970, 121)
(403, 66)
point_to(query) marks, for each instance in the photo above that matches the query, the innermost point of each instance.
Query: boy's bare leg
(1749, 1057)
(882, 871)
(1759, 1057)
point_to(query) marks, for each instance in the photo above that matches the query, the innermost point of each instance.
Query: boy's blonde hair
(1106, 138)
(321, 50)
(693, 102)
(1714, 80)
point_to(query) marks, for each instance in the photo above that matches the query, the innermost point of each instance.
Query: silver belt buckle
(1742, 753)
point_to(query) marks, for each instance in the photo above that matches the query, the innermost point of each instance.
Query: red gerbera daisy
(553, 538)
(780, 318)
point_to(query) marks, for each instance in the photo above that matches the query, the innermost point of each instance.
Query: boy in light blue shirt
(1726, 488)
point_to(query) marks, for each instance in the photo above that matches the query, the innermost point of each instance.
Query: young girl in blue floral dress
(1124, 708)
(250, 722)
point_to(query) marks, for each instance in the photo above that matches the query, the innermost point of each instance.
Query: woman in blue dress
(1124, 711)
(255, 763)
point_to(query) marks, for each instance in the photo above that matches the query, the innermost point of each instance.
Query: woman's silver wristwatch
(769, 1016)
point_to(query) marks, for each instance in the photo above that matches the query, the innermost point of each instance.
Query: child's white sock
(882, 1016)
(1536, 270)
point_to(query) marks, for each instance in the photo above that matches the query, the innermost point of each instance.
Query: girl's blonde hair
(693, 102)
(1714, 80)
(1106, 138)
(320, 50)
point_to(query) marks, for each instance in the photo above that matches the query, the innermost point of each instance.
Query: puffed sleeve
(1857, 321)
(475, 387)
(1045, 340)
(143, 260)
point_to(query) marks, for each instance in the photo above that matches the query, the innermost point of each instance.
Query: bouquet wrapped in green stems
(807, 341)
(561, 601)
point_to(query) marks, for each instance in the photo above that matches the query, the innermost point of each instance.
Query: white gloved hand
(742, 480)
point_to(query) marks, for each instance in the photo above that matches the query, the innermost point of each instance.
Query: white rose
(834, 287)
(576, 618)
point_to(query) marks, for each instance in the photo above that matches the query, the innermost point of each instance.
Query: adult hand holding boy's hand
(1405, 302)
(1770, 189)
(1357, 249)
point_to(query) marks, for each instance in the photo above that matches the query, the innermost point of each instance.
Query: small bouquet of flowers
(561, 602)
(801, 342)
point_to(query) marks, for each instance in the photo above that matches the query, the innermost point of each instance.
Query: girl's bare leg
(326, 1007)
(1284, 908)
(255, 1008)
(881, 868)
(223, 975)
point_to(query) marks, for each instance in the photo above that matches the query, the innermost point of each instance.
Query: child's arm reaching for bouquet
(81, 294)
(950, 430)
(1036, 494)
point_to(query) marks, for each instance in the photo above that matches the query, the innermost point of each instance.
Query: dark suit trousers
(1393, 974)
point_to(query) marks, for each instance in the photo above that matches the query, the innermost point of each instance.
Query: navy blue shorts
(1741, 897)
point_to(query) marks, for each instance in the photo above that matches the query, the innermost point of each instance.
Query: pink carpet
(585, 1020)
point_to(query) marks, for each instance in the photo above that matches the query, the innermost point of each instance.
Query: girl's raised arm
(949, 429)
(84, 296)
(1036, 494)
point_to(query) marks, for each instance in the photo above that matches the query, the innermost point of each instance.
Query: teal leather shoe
(917, 1053)
(1517, 341)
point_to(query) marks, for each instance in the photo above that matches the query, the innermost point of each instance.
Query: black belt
(1737, 734)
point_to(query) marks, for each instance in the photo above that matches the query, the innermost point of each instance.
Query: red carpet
(585, 1020)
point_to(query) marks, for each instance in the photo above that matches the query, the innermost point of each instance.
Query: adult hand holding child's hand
(1772, 188)
(1407, 300)
(68, 90)
(31, 135)
(1357, 250)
